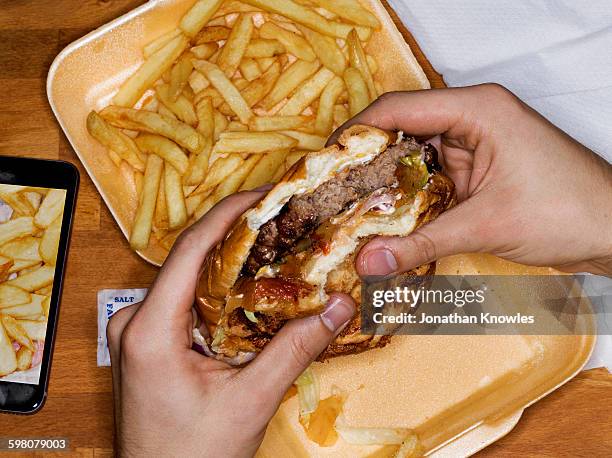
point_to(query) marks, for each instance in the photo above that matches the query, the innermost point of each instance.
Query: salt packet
(110, 301)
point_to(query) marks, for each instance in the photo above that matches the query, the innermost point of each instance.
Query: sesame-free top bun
(320, 269)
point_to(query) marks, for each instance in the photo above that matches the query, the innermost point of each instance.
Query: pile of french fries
(230, 100)
(30, 228)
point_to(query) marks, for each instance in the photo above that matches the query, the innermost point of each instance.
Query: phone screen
(36, 207)
(30, 229)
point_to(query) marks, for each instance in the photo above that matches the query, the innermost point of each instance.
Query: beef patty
(304, 213)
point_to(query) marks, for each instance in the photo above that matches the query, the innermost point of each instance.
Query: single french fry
(249, 69)
(141, 230)
(115, 140)
(164, 148)
(34, 280)
(229, 92)
(341, 114)
(199, 14)
(49, 242)
(154, 123)
(236, 45)
(160, 42)
(307, 93)
(16, 228)
(204, 51)
(149, 72)
(206, 117)
(306, 141)
(181, 107)
(211, 34)
(138, 180)
(357, 91)
(25, 248)
(24, 358)
(291, 78)
(324, 122)
(175, 200)
(262, 47)
(264, 170)
(221, 123)
(350, 10)
(198, 82)
(179, 74)
(358, 59)
(235, 180)
(293, 43)
(372, 64)
(252, 142)
(326, 49)
(160, 216)
(272, 123)
(8, 359)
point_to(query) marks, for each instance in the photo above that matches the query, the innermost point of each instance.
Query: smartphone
(37, 200)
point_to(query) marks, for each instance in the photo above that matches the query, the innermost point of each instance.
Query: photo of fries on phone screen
(230, 99)
(30, 228)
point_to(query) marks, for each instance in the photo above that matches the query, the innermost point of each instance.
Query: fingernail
(338, 313)
(379, 262)
(264, 187)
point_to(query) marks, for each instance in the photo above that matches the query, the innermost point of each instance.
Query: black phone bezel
(21, 397)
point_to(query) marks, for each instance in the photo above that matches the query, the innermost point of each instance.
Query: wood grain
(575, 420)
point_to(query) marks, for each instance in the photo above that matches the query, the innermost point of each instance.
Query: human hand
(527, 191)
(172, 401)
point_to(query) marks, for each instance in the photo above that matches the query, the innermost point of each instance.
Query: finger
(173, 291)
(459, 230)
(427, 112)
(114, 330)
(294, 348)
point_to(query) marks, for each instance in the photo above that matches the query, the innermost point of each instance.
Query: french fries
(8, 358)
(230, 99)
(262, 47)
(141, 230)
(326, 49)
(252, 142)
(175, 200)
(236, 45)
(272, 123)
(149, 72)
(146, 121)
(16, 228)
(28, 254)
(357, 58)
(229, 92)
(350, 10)
(325, 114)
(293, 43)
(115, 140)
(181, 106)
(307, 93)
(164, 148)
(357, 91)
(198, 16)
(264, 170)
(290, 80)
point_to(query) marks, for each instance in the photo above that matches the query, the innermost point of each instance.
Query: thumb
(453, 232)
(294, 348)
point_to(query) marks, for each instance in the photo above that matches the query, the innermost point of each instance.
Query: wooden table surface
(575, 420)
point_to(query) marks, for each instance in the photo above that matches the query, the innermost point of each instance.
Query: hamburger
(283, 257)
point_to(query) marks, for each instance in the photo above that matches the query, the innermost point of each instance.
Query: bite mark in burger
(282, 258)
